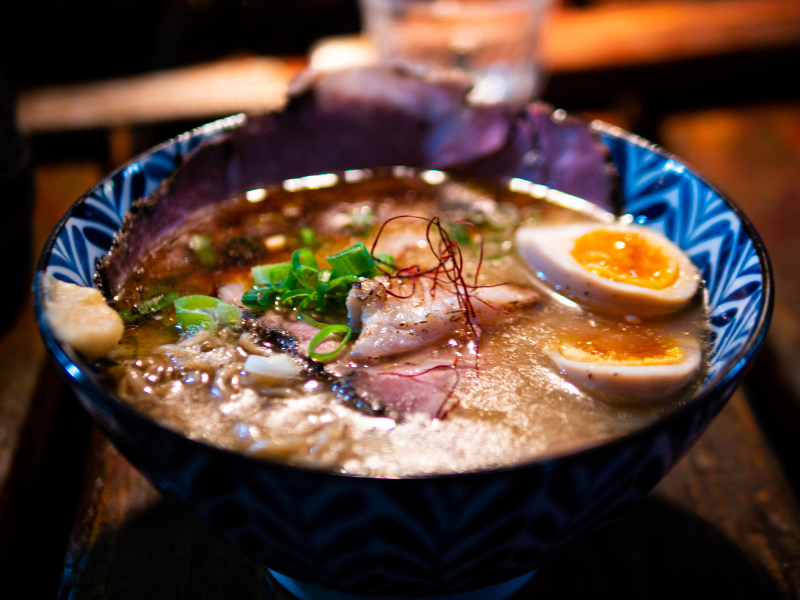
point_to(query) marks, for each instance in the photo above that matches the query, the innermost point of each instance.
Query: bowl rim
(75, 370)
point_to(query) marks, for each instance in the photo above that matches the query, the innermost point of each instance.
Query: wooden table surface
(725, 523)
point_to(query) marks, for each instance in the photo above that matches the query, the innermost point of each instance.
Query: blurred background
(91, 83)
(640, 58)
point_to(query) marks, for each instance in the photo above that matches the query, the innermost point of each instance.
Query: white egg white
(547, 252)
(630, 384)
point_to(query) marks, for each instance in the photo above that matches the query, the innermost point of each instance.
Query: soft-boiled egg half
(616, 268)
(628, 371)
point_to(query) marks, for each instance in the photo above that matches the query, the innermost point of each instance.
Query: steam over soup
(400, 322)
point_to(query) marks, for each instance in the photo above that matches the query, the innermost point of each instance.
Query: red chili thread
(449, 270)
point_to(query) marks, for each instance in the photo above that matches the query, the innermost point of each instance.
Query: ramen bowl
(470, 535)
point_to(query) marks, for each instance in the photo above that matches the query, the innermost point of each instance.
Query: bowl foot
(307, 591)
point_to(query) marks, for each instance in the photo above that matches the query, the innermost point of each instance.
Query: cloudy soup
(399, 322)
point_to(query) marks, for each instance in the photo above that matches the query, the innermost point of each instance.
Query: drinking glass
(494, 42)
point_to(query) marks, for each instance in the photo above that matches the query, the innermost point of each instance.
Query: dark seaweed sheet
(368, 118)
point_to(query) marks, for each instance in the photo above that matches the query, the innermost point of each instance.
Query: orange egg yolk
(626, 257)
(623, 351)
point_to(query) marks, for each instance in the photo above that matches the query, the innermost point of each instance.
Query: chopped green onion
(203, 249)
(310, 320)
(250, 297)
(267, 297)
(386, 262)
(148, 307)
(309, 301)
(304, 257)
(156, 303)
(135, 344)
(305, 268)
(323, 281)
(292, 294)
(205, 312)
(259, 299)
(361, 220)
(300, 285)
(275, 275)
(353, 260)
(307, 237)
(386, 259)
(320, 300)
(324, 333)
(347, 280)
(307, 276)
(461, 234)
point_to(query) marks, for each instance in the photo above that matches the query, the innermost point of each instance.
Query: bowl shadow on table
(656, 550)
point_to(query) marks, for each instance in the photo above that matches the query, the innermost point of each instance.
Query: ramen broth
(506, 402)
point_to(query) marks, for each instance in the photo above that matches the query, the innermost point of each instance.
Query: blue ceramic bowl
(478, 534)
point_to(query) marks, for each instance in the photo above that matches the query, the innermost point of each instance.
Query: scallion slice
(323, 281)
(250, 297)
(306, 274)
(205, 312)
(200, 244)
(321, 301)
(275, 275)
(259, 299)
(293, 294)
(304, 258)
(309, 319)
(147, 307)
(135, 344)
(307, 237)
(322, 335)
(302, 286)
(353, 260)
(346, 280)
(386, 259)
(386, 262)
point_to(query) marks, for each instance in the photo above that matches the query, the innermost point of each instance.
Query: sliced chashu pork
(421, 382)
(391, 325)
(394, 363)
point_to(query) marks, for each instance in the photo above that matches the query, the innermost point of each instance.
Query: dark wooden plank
(206, 91)
(722, 524)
